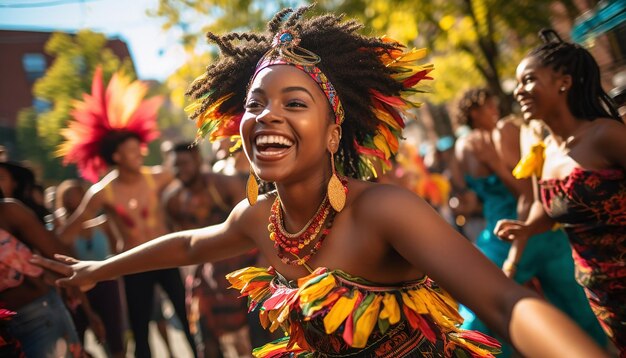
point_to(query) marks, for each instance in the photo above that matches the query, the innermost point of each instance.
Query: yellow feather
(264, 319)
(408, 301)
(271, 347)
(386, 117)
(240, 278)
(123, 97)
(472, 347)
(272, 315)
(193, 106)
(340, 311)
(391, 309)
(366, 323)
(433, 307)
(412, 55)
(317, 290)
(284, 314)
(370, 166)
(381, 143)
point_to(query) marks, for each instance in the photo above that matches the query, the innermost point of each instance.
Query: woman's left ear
(334, 137)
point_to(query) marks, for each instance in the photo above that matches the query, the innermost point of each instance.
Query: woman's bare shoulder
(609, 138)
(373, 201)
(13, 206)
(604, 131)
(606, 126)
(245, 213)
(20, 216)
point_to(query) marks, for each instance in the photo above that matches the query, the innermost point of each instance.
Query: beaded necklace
(292, 244)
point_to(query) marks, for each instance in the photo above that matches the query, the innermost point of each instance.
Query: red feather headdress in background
(120, 108)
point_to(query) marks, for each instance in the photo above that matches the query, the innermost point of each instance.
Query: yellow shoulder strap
(149, 178)
(108, 192)
(532, 150)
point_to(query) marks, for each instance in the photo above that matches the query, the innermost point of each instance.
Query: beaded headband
(285, 51)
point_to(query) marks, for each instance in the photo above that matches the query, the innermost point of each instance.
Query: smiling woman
(353, 264)
(583, 178)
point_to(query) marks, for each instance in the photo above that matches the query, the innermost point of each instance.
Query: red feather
(480, 338)
(416, 78)
(91, 121)
(279, 298)
(393, 101)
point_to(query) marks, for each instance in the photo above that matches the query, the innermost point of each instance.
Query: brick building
(22, 62)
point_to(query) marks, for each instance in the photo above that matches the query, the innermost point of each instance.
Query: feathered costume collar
(354, 309)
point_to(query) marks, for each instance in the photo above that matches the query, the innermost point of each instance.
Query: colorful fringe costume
(333, 314)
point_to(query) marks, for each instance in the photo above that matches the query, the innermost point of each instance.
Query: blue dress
(547, 256)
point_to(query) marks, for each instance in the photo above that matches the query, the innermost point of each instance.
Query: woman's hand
(75, 273)
(511, 230)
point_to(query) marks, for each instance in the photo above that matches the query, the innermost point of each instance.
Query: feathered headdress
(392, 110)
(120, 108)
(216, 116)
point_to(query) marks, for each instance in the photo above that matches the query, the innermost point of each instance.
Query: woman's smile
(271, 146)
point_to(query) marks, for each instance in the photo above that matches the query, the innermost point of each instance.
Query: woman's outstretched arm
(176, 249)
(424, 239)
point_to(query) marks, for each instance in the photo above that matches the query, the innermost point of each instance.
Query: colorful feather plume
(120, 107)
(391, 110)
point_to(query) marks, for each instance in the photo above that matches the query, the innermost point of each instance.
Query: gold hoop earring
(335, 191)
(252, 188)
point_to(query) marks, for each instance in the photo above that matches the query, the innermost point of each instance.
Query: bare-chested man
(197, 199)
(130, 195)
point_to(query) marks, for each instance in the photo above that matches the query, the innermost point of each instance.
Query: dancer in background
(119, 124)
(96, 241)
(583, 179)
(487, 156)
(199, 199)
(42, 324)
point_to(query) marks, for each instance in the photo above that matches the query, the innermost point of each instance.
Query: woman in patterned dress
(583, 179)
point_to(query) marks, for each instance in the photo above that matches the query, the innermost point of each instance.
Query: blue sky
(156, 53)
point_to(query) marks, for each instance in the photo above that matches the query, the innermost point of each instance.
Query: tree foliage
(480, 40)
(473, 42)
(70, 75)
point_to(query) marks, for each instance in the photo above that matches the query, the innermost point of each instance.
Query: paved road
(176, 337)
